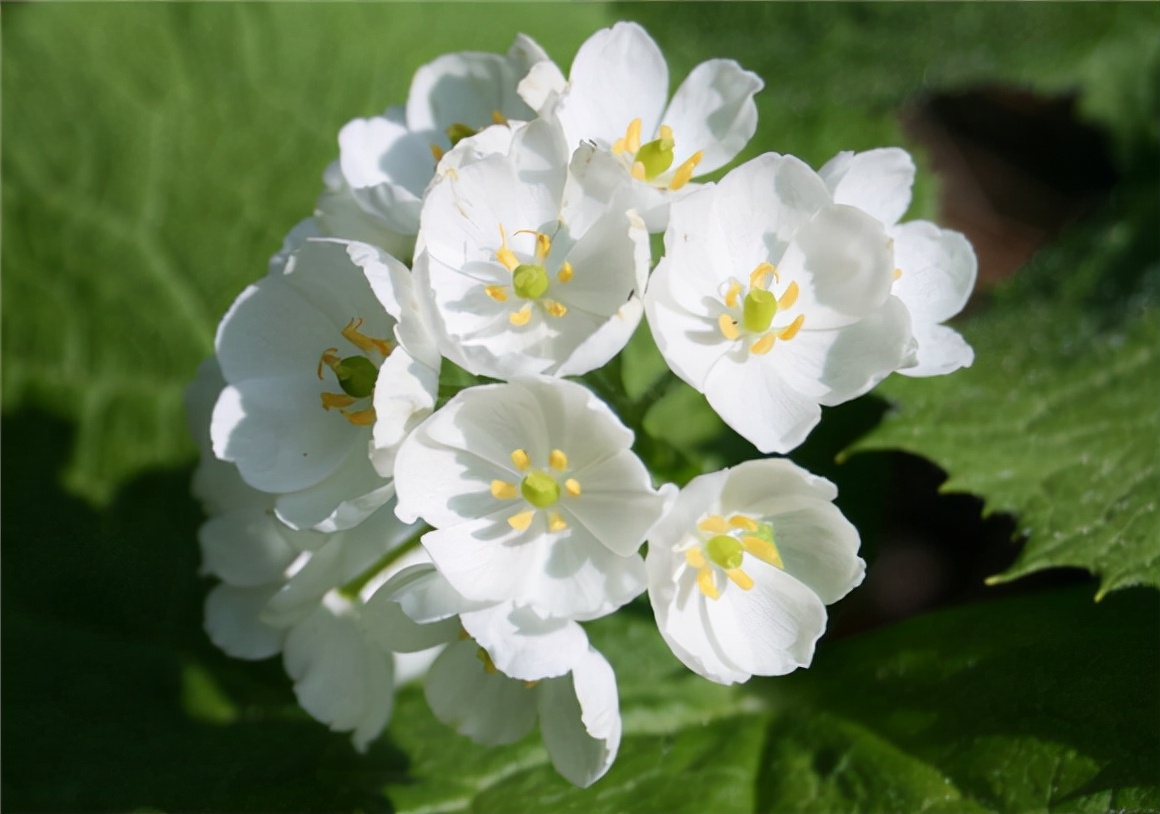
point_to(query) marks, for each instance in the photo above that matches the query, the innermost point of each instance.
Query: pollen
(496, 292)
(572, 487)
(565, 272)
(558, 460)
(520, 460)
(728, 327)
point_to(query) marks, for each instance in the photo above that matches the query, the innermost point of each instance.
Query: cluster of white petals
(401, 483)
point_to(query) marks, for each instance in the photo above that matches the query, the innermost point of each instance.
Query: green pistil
(356, 376)
(724, 551)
(656, 156)
(758, 310)
(540, 489)
(459, 131)
(530, 281)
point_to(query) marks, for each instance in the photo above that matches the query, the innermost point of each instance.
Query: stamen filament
(329, 358)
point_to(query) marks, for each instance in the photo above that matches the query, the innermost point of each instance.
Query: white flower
(302, 352)
(375, 188)
(524, 278)
(772, 300)
(578, 712)
(741, 568)
(935, 268)
(616, 97)
(535, 495)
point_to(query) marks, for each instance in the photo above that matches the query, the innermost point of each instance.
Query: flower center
(458, 131)
(539, 488)
(650, 161)
(530, 281)
(755, 312)
(356, 374)
(718, 551)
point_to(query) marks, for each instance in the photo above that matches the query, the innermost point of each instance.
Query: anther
(788, 297)
(496, 292)
(521, 521)
(740, 521)
(565, 272)
(556, 309)
(764, 550)
(763, 345)
(556, 522)
(758, 275)
(739, 578)
(558, 460)
(437, 152)
(897, 273)
(714, 524)
(505, 256)
(684, 172)
(728, 326)
(520, 460)
(731, 294)
(572, 487)
(363, 342)
(638, 171)
(498, 118)
(790, 331)
(521, 317)
(338, 400)
(360, 418)
(502, 490)
(707, 584)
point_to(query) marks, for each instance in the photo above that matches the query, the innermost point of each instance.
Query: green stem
(351, 589)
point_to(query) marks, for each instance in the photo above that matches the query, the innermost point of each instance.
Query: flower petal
(713, 112)
(245, 548)
(940, 350)
(753, 398)
(489, 708)
(938, 270)
(580, 720)
(876, 181)
(233, 623)
(524, 645)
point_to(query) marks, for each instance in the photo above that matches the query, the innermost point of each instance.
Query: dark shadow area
(114, 699)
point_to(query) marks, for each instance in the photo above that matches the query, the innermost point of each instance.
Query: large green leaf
(1058, 421)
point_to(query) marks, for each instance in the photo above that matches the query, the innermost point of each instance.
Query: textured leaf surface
(1058, 421)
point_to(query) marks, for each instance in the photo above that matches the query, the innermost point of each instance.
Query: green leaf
(1058, 420)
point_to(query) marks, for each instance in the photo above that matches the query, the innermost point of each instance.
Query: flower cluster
(400, 478)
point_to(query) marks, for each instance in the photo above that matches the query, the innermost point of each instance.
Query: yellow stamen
(897, 273)
(740, 521)
(790, 331)
(684, 173)
(520, 460)
(502, 490)
(741, 579)
(731, 294)
(763, 550)
(714, 524)
(764, 345)
(558, 460)
(520, 318)
(360, 418)
(555, 309)
(758, 275)
(363, 342)
(329, 358)
(789, 297)
(728, 326)
(498, 118)
(707, 584)
(556, 522)
(572, 487)
(565, 272)
(530, 684)
(521, 521)
(638, 171)
(505, 256)
(543, 246)
(338, 400)
(437, 152)
(695, 558)
(496, 292)
(632, 136)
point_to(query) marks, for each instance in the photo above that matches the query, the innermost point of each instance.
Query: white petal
(713, 111)
(232, 620)
(377, 151)
(245, 548)
(770, 629)
(688, 339)
(486, 559)
(876, 181)
(342, 500)
(755, 400)
(522, 644)
(682, 621)
(489, 708)
(940, 350)
(580, 720)
(618, 75)
(543, 83)
(387, 624)
(339, 213)
(853, 359)
(938, 270)
(426, 596)
(618, 504)
(405, 394)
(340, 677)
(464, 88)
(820, 548)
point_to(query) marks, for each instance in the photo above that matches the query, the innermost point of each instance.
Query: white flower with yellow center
(935, 269)
(615, 97)
(535, 496)
(524, 278)
(375, 189)
(308, 354)
(773, 301)
(743, 565)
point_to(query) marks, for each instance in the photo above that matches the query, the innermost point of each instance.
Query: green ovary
(530, 281)
(458, 132)
(356, 376)
(758, 310)
(656, 156)
(540, 489)
(724, 551)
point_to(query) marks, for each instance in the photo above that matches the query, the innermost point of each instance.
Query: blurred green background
(153, 157)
